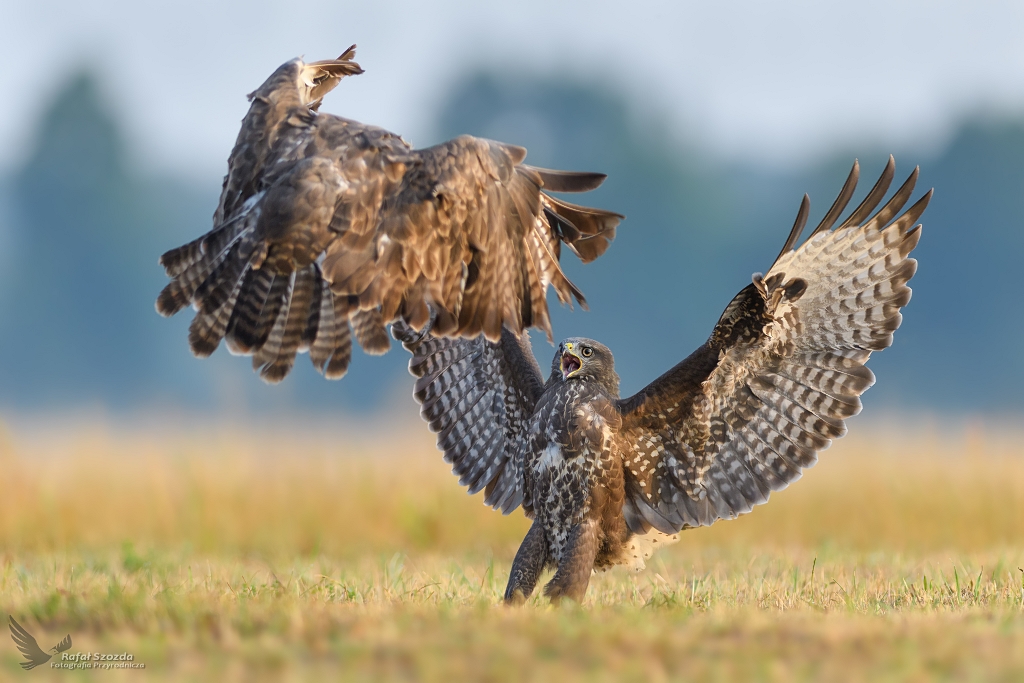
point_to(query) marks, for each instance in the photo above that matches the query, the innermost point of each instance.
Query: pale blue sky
(777, 82)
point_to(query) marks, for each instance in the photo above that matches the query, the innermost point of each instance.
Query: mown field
(339, 551)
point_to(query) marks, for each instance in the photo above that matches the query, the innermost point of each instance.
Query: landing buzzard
(605, 478)
(327, 228)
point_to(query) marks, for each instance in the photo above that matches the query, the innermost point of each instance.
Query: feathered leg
(526, 568)
(573, 575)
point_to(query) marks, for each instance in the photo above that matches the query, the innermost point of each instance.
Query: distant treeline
(85, 228)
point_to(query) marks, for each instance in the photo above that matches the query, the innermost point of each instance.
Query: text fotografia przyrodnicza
(97, 660)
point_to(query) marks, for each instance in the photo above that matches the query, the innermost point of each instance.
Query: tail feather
(341, 353)
(179, 292)
(370, 331)
(277, 357)
(266, 351)
(276, 298)
(241, 335)
(325, 332)
(207, 329)
(193, 264)
(214, 290)
(313, 321)
(330, 348)
(177, 260)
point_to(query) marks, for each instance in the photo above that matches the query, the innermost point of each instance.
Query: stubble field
(341, 551)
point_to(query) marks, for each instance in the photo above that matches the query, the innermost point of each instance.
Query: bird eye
(587, 352)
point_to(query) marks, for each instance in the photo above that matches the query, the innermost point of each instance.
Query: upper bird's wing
(293, 85)
(783, 369)
(478, 396)
(341, 228)
(28, 646)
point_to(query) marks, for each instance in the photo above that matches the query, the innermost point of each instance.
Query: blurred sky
(778, 82)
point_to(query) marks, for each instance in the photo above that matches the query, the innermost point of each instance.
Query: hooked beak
(570, 363)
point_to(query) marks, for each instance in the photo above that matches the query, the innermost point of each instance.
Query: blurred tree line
(85, 227)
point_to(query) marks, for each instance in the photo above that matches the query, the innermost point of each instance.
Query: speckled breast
(567, 461)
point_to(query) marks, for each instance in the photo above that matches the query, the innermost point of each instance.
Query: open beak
(570, 364)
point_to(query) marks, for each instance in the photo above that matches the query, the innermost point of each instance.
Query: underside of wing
(477, 396)
(782, 371)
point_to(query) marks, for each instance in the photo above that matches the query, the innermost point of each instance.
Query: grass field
(312, 551)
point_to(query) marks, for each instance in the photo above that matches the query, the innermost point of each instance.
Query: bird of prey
(605, 478)
(34, 655)
(328, 228)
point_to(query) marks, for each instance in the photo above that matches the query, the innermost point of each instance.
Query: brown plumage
(327, 229)
(606, 479)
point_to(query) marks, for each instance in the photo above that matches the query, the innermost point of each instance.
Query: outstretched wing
(27, 645)
(783, 369)
(329, 228)
(292, 86)
(478, 396)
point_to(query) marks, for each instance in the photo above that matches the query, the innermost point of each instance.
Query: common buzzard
(327, 228)
(606, 478)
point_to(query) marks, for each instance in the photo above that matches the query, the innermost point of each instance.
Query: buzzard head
(579, 359)
(316, 79)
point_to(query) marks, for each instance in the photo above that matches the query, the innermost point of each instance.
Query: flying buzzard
(605, 478)
(327, 228)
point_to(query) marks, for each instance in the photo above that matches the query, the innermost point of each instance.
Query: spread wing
(328, 228)
(27, 645)
(292, 86)
(783, 369)
(478, 396)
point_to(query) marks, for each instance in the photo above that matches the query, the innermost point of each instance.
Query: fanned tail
(269, 315)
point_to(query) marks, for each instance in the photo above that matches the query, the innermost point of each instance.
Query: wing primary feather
(798, 226)
(914, 212)
(893, 206)
(841, 201)
(568, 181)
(874, 196)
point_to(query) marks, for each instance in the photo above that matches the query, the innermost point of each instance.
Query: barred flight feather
(477, 395)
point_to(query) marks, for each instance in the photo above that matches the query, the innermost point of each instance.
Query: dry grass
(311, 553)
